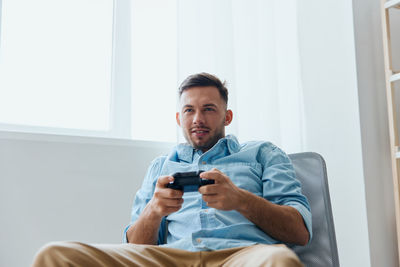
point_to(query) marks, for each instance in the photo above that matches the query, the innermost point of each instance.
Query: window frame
(120, 123)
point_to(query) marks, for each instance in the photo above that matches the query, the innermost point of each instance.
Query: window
(55, 63)
(103, 68)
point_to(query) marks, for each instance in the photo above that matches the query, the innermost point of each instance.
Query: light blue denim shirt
(258, 167)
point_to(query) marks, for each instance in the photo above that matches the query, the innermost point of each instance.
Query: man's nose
(198, 118)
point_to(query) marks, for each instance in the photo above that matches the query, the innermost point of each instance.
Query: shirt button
(198, 240)
(203, 162)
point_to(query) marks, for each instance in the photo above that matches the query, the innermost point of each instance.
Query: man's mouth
(200, 132)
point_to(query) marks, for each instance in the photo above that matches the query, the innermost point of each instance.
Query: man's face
(203, 116)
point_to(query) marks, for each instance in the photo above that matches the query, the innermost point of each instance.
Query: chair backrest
(322, 250)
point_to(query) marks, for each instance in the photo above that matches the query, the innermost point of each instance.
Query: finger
(171, 210)
(173, 193)
(162, 181)
(210, 198)
(214, 174)
(168, 193)
(208, 189)
(171, 202)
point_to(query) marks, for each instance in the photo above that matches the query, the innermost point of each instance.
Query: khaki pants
(80, 254)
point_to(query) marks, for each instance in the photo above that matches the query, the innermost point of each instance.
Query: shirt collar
(185, 152)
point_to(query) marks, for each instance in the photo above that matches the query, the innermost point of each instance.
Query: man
(243, 219)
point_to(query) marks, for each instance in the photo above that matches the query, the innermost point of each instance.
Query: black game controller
(191, 181)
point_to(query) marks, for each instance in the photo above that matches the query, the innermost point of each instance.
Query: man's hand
(165, 200)
(281, 222)
(224, 194)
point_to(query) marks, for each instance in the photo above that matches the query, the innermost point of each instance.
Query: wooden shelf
(397, 153)
(395, 77)
(392, 3)
(391, 77)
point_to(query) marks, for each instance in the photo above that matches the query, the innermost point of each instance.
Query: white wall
(66, 188)
(375, 130)
(332, 118)
(344, 92)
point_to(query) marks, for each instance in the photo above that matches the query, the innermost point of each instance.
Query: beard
(209, 141)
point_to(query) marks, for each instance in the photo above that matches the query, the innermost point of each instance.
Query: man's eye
(209, 109)
(188, 110)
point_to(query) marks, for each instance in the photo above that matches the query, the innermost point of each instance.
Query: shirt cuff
(306, 214)
(124, 238)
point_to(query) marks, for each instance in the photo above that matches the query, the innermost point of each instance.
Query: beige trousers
(80, 254)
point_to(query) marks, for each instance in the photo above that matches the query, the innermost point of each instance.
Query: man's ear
(228, 117)
(178, 121)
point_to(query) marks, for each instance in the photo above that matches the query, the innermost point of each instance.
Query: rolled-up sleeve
(144, 195)
(280, 185)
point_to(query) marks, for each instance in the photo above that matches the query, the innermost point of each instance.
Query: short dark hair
(204, 79)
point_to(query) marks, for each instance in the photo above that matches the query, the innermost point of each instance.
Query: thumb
(213, 174)
(162, 181)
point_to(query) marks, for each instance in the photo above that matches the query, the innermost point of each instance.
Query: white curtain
(253, 44)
